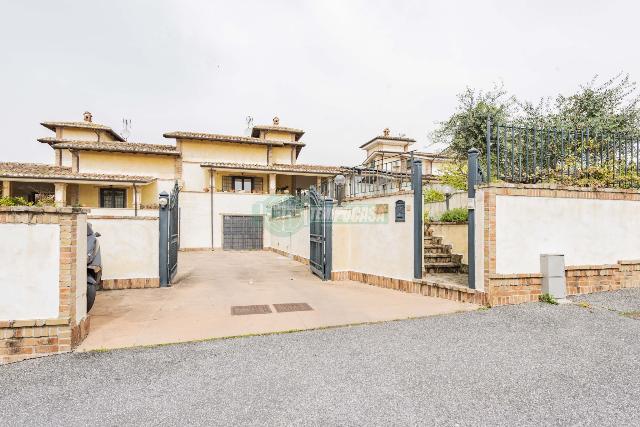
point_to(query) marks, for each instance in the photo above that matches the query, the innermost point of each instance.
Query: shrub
(549, 299)
(14, 201)
(433, 195)
(455, 215)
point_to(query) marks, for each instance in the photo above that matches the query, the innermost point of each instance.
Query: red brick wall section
(115, 284)
(23, 339)
(519, 288)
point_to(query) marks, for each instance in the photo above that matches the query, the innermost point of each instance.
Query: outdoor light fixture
(163, 201)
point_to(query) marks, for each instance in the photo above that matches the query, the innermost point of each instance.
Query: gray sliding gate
(169, 235)
(320, 234)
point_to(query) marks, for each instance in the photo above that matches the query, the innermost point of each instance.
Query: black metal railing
(579, 156)
(291, 206)
(387, 175)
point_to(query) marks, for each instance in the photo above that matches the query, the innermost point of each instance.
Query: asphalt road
(520, 365)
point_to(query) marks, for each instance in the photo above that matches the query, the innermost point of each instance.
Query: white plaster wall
(290, 234)
(374, 243)
(81, 268)
(127, 212)
(29, 271)
(195, 220)
(586, 231)
(129, 247)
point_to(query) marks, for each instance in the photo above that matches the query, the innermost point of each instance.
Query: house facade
(221, 177)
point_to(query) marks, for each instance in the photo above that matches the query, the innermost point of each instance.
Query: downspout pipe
(135, 199)
(211, 189)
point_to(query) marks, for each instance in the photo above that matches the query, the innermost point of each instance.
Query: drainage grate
(292, 306)
(241, 310)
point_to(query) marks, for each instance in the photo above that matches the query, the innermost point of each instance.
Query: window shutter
(257, 185)
(227, 183)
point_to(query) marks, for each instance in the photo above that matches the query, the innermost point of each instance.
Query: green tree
(466, 128)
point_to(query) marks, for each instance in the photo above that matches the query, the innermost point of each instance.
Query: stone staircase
(438, 257)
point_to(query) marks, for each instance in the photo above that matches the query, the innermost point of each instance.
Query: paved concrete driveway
(210, 283)
(528, 365)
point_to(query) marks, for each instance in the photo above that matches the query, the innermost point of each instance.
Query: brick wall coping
(43, 209)
(144, 218)
(593, 267)
(447, 223)
(34, 322)
(548, 186)
(516, 275)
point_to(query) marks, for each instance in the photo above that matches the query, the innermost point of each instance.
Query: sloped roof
(278, 167)
(388, 138)
(228, 138)
(84, 125)
(118, 147)
(256, 130)
(44, 171)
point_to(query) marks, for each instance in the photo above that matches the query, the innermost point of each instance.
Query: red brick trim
(140, 283)
(298, 258)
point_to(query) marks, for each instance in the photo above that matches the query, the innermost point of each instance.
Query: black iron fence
(576, 156)
(386, 175)
(291, 206)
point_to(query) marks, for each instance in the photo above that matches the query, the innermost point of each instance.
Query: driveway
(211, 283)
(532, 364)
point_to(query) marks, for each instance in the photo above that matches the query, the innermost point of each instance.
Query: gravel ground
(624, 300)
(531, 364)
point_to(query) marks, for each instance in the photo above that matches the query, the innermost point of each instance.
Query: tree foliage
(612, 106)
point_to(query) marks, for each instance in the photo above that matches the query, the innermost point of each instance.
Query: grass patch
(549, 299)
(632, 314)
(583, 304)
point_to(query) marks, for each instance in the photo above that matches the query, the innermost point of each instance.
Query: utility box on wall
(553, 278)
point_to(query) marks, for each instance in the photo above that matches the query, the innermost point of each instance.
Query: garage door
(241, 232)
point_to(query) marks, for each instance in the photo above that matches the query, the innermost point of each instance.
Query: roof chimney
(87, 117)
(386, 132)
(276, 121)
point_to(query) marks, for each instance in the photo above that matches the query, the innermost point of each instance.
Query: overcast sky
(340, 70)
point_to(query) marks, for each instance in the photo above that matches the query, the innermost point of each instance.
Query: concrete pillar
(272, 183)
(6, 188)
(138, 197)
(61, 193)
(212, 181)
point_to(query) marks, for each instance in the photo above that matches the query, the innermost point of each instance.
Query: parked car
(94, 266)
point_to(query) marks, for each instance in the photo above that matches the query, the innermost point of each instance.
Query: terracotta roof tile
(227, 138)
(275, 167)
(118, 147)
(388, 138)
(44, 171)
(85, 125)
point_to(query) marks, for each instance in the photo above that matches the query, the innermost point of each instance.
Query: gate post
(418, 231)
(472, 179)
(328, 238)
(163, 220)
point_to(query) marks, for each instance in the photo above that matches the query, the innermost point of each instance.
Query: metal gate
(242, 232)
(169, 235)
(320, 234)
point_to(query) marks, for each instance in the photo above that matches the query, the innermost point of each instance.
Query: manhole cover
(292, 306)
(241, 310)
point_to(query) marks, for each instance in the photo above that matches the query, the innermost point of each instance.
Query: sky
(340, 70)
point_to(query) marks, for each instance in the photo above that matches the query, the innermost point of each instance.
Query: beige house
(394, 153)
(220, 176)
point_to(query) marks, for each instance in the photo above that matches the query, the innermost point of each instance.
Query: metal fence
(386, 175)
(291, 206)
(530, 155)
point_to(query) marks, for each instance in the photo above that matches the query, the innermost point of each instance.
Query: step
(437, 249)
(432, 240)
(442, 267)
(439, 258)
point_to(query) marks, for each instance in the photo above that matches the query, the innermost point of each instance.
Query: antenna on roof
(249, 121)
(126, 128)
